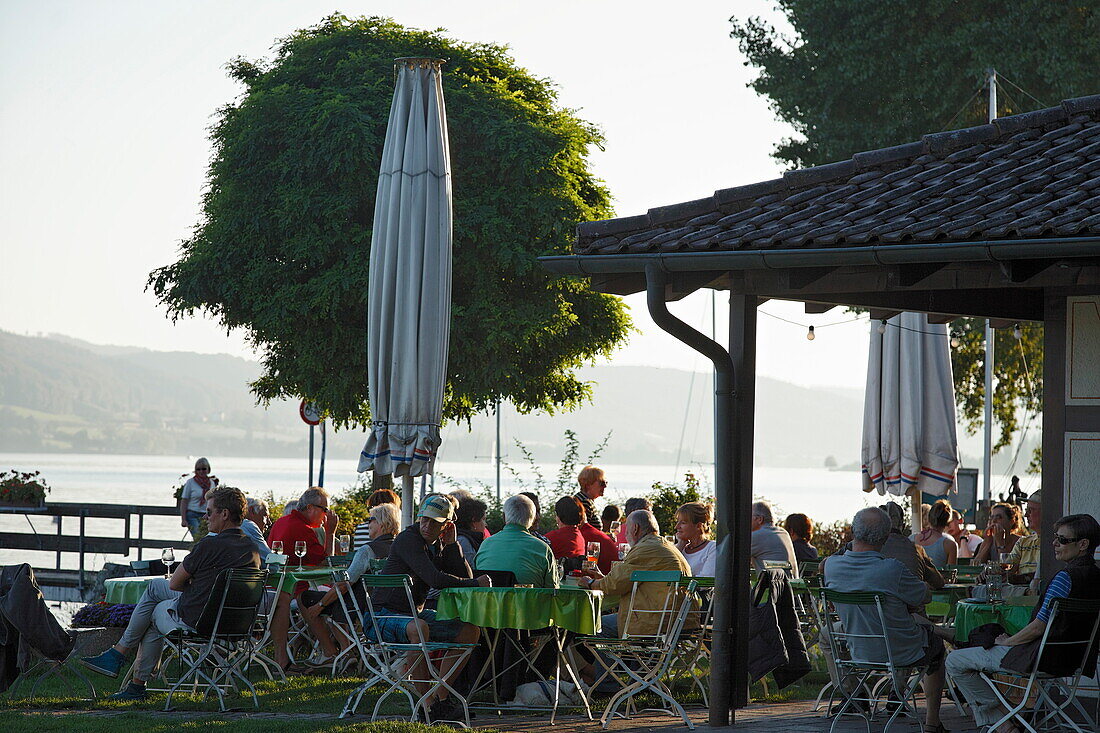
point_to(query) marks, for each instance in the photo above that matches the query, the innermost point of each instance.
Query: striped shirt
(361, 536)
(1058, 588)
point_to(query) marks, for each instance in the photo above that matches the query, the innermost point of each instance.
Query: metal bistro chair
(641, 662)
(388, 659)
(1052, 712)
(222, 642)
(694, 644)
(868, 676)
(276, 568)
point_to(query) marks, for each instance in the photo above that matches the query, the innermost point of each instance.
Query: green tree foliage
(667, 498)
(864, 75)
(282, 246)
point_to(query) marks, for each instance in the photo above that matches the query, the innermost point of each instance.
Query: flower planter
(39, 506)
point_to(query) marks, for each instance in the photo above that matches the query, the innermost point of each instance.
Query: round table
(126, 590)
(969, 615)
(523, 608)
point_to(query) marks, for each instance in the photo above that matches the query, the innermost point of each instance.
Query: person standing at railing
(192, 503)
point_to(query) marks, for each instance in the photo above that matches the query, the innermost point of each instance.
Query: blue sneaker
(108, 663)
(130, 693)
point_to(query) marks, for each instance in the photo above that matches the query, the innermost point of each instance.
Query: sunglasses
(1060, 540)
(210, 512)
(372, 519)
(603, 483)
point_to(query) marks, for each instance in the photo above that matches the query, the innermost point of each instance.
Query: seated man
(768, 541)
(429, 553)
(255, 524)
(514, 548)
(168, 605)
(311, 512)
(1024, 555)
(865, 569)
(1075, 540)
(648, 551)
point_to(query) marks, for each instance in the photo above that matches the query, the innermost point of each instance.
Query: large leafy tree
(282, 247)
(860, 75)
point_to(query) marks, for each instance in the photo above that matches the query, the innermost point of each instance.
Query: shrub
(22, 487)
(667, 498)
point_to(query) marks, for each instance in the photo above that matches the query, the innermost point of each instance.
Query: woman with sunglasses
(193, 497)
(1075, 540)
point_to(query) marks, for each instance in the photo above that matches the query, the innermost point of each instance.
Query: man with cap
(429, 553)
(1024, 556)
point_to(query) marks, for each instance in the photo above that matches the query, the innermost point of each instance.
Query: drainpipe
(721, 671)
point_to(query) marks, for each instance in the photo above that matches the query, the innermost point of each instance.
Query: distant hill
(62, 394)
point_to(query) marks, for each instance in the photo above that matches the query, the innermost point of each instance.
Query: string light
(1017, 333)
(882, 327)
(954, 340)
(810, 334)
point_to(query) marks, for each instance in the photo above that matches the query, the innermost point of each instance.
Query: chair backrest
(654, 619)
(808, 568)
(375, 613)
(500, 578)
(149, 567)
(233, 603)
(1076, 651)
(872, 647)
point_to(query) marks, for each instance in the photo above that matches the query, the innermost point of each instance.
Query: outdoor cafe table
(572, 609)
(970, 614)
(126, 590)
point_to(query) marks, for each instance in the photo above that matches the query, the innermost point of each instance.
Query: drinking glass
(277, 547)
(168, 556)
(300, 550)
(615, 528)
(623, 549)
(345, 543)
(1005, 564)
(592, 556)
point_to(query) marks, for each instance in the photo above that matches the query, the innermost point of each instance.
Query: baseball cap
(438, 508)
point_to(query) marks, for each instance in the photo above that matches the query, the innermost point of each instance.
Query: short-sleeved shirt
(230, 548)
(193, 493)
(566, 541)
(293, 528)
(1025, 554)
(772, 543)
(514, 548)
(703, 560)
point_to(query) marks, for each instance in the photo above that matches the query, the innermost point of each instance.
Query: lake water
(126, 479)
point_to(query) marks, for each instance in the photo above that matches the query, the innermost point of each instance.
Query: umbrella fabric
(909, 438)
(409, 292)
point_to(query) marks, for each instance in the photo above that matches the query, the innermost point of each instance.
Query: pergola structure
(1000, 221)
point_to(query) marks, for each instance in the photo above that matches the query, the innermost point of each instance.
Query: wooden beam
(1017, 304)
(1019, 271)
(942, 318)
(815, 308)
(801, 277)
(1002, 322)
(911, 275)
(880, 314)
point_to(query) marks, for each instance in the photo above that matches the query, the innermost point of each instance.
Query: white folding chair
(392, 661)
(860, 680)
(276, 568)
(1047, 711)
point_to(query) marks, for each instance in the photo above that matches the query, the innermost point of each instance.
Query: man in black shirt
(168, 605)
(429, 553)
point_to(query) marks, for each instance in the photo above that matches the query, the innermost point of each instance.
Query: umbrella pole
(408, 498)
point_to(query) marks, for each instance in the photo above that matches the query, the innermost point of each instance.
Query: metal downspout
(721, 677)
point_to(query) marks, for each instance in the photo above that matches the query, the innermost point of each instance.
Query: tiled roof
(1030, 175)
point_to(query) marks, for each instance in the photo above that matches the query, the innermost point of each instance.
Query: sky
(105, 105)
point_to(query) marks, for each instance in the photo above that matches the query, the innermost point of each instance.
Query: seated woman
(1005, 529)
(801, 529)
(567, 541)
(470, 522)
(610, 519)
(384, 525)
(692, 538)
(968, 543)
(378, 498)
(940, 546)
(1075, 540)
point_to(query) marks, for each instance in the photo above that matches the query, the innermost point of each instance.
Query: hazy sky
(104, 108)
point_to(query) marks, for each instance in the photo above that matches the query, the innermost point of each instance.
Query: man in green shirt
(514, 548)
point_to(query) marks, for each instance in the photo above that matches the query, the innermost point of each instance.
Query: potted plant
(22, 489)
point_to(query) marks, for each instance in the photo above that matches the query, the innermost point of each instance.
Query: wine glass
(300, 551)
(277, 547)
(1005, 564)
(168, 556)
(623, 549)
(592, 556)
(345, 543)
(614, 528)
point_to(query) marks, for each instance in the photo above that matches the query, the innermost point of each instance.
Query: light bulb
(882, 327)
(1017, 333)
(954, 342)
(810, 334)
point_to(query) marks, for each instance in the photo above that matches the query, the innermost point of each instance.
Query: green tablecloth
(309, 574)
(126, 590)
(523, 608)
(970, 615)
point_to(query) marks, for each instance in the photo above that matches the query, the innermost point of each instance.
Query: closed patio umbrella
(409, 290)
(909, 439)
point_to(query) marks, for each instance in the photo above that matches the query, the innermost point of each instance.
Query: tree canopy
(282, 246)
(865, 75)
